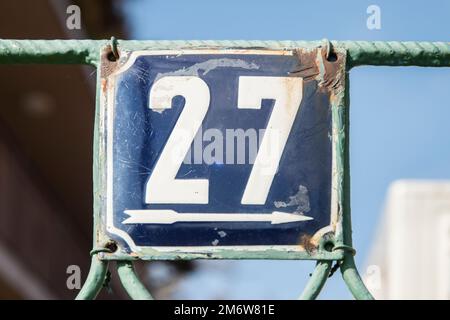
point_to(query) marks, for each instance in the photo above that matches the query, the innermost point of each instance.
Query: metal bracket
(137, 291)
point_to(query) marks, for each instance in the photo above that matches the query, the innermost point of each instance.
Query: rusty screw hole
(111, 245)
(111, 57)
(328, 246)
(332, 56)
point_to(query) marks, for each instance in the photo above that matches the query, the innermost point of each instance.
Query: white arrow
(171, 216)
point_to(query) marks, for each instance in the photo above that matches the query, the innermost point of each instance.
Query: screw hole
(111, 57)
(332, 56)
(328, 246)
(111, 245)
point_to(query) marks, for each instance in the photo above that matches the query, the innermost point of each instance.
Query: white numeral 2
(162, 187)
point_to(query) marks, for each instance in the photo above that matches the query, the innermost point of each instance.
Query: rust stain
(307, 243)
(104, 84)
(314, 65)
(333, 77)
(108, 66)
(306, 67)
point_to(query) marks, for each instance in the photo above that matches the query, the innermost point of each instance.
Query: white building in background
(410, 258)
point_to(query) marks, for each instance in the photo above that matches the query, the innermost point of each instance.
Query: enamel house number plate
(219, 153)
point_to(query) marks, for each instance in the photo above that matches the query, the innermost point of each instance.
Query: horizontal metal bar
(50, 51)
(392, 53)
(396, 53)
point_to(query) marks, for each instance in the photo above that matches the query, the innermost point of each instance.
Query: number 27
(163, 187)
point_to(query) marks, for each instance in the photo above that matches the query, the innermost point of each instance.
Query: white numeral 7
(288, 93)
(162, 187)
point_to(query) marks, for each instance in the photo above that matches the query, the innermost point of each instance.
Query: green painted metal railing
(424, 54)
(391, 53)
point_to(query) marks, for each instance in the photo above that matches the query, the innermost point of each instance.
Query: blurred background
(400, 148)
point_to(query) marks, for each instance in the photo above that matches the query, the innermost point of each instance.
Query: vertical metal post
(348, 268)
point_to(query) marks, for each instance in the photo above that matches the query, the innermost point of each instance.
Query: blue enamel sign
(211, 151)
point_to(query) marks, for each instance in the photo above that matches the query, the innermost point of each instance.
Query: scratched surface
(302, 184)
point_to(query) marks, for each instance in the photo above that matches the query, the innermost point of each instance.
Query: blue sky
(399, 116)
